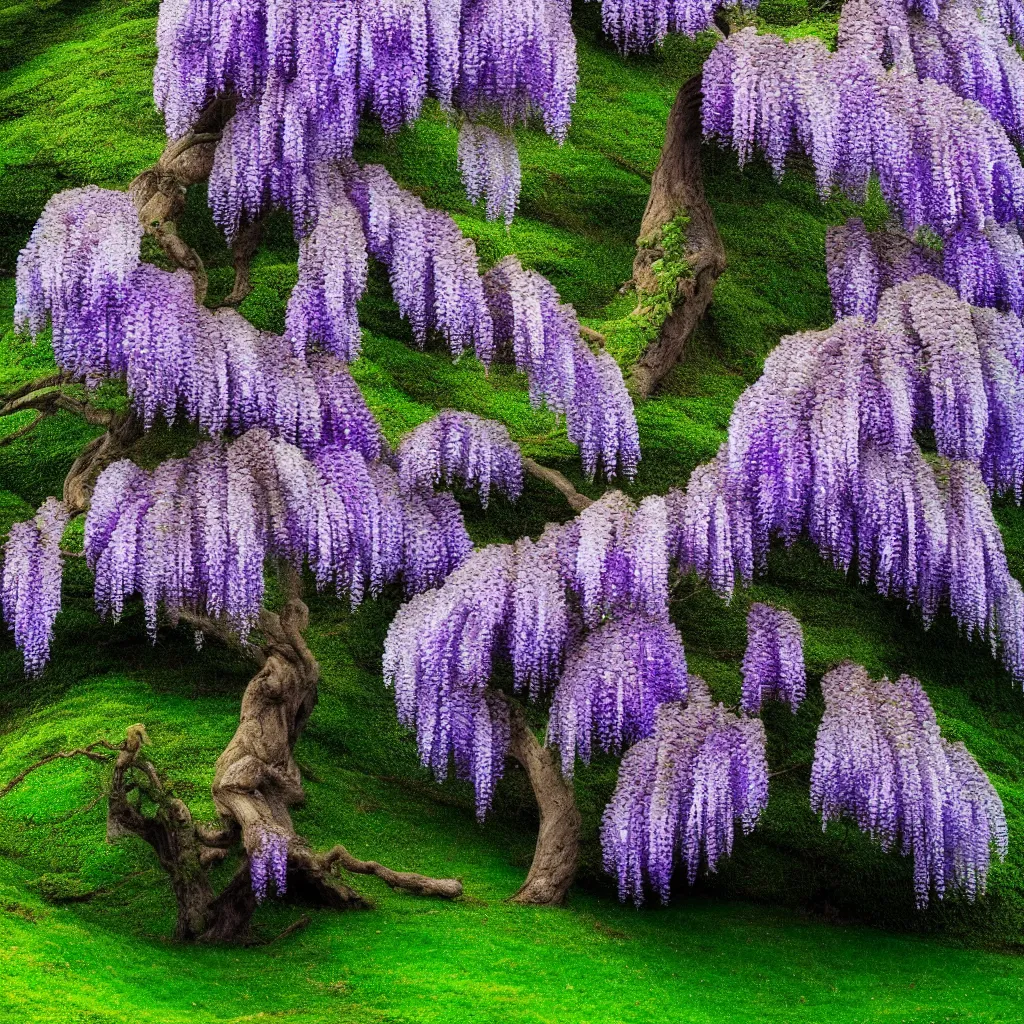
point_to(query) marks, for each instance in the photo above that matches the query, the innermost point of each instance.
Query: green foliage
(90, 921)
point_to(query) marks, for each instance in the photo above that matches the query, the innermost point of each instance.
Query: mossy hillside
(69, 899)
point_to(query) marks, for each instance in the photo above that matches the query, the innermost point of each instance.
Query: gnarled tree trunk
(256, 783)
(557, 853)
(678, 188)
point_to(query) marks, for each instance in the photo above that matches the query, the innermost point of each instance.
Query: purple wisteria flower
(880, 760)
(773, 664)
(195, 532)
(823, 446)
(461, 447)
(30, 587)
(269, 863)
(489, 162)
(682, 792)
(613, 682)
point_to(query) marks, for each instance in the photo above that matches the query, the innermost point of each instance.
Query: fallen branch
(421, 885)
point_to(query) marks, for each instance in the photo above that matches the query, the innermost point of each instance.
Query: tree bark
(678, 188)
(159, 192)
(256, 783)
(556, 856)
(123, 431)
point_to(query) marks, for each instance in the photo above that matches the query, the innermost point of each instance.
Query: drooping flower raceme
(31, 583)
(881, 761)
(614, 555)
(269, 862)
(541, 335)
(489, 162)
(438, 658)
(823, 446)
(682, 792)
(941, 161)
(773, 664)
(75, 272)
(460, 447)
(432, 265)
(613, 683)
(195, 532)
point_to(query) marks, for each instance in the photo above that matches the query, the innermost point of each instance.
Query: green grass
(780, 935)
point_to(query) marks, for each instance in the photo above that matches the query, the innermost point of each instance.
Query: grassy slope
(90, 920)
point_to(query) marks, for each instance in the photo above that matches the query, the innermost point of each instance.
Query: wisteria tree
(294, 478)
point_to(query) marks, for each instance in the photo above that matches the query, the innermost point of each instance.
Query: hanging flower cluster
(541, 335)
(268, 863)
(489, 162)
(823, 446)
(880, 760)
(75, 273)
(518, 61)
(773, 664)
(613, 683)
(303, 73)
(460, 447)
(532, 602)
(31, 583)
(972, 56)
(640, 25)
(433, 267)
(682, 792)
(985, 268)
(195, 532)
(332, 276)
(941, 161)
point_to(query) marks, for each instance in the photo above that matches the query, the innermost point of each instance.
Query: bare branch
(22, 431)
(596, 337)
(52, 380)
(577, 501)
(87, 751)
(445, 888)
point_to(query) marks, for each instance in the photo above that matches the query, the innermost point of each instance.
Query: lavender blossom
(489, 163)
(773, 665)
(613, 683)
(681, 793)
(269, 862)
(460, 447)
(880, 760)
(31, 584)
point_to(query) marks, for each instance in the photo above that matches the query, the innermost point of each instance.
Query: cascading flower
(881, 761)
(612, 685)
(681, 793)
(489, 162)
(460, 447)
(773, 664)
(31, 583)
(195, 533)
(269, 862)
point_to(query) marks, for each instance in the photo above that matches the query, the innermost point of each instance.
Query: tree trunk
(121, 434)
(159, 192)
(557, 853)
(256, 783)
(678, 188)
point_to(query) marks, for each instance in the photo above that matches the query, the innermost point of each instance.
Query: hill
(799, 926)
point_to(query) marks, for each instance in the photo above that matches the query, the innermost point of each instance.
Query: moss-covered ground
(800, 926)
